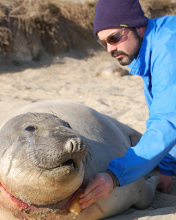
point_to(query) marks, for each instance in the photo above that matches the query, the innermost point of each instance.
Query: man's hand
(164, 184)
(98, 187)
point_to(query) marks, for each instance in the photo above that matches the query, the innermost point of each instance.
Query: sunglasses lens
(114, 39)
(102, 43)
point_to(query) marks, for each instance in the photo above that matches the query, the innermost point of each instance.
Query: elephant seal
(51, 149)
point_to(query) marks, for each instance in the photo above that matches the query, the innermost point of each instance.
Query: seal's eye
(30, 128)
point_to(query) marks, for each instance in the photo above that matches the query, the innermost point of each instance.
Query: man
(149, 46)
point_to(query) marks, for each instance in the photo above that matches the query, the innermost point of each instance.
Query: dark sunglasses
(112, 39)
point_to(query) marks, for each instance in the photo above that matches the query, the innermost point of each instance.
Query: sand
(73, 76)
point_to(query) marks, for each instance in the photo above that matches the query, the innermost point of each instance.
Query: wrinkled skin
(51, 149)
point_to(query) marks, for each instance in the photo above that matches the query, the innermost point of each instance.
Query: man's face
(128, 47)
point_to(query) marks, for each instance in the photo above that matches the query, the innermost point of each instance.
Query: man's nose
(111, 48)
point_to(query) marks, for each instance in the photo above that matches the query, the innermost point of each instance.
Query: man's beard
(131, 57)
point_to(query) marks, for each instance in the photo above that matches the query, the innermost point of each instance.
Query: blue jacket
(156, 64)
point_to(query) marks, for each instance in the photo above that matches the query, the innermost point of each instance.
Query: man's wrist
(114, 178)
(166, 172)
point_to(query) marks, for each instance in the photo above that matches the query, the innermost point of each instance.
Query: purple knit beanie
(118, 13)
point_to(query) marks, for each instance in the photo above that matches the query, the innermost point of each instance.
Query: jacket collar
(141, 65)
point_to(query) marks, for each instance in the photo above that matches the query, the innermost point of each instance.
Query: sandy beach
(90, 78)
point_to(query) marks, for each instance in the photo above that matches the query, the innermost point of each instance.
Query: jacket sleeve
(160, 135)
(167, 165)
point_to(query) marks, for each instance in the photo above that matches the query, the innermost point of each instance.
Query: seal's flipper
(147, 192)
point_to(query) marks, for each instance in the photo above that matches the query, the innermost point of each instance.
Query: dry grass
(157, 8)
(59, 25)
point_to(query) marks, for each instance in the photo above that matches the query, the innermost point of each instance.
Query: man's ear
(141, 31)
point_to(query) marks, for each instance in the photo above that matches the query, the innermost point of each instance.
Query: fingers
(100, 186)
(162, 189)
(95, 193)
(92, 184)
(92, 200)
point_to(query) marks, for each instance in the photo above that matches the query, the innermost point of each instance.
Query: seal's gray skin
(50, 149)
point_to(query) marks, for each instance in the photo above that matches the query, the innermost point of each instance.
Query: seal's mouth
(68, 163)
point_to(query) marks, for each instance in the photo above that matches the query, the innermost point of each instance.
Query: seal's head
(41, 159)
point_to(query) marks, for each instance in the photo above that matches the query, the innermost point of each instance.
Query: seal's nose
(74, 145)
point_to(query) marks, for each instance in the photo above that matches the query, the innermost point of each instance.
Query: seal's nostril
(72, 146)
(30, 128)
(75, 145)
